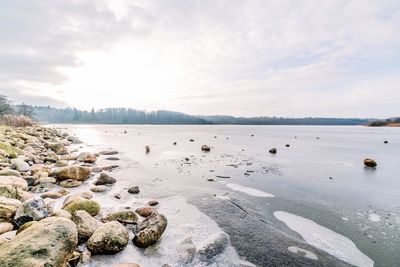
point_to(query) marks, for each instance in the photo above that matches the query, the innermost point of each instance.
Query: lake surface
(313, 203)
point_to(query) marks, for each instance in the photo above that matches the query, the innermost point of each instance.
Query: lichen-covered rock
(49, 242)
(110, 238)
(124, 216)
(57, 148)
(11, 151)
(90, 206)
(85, 224)
(70, 183)
(14, 192)
(87, 157)
(149, 231)
(26, 226)
(105, 179)
(31, 210)
(78, 173)
(14, 181)
(77, 197)
(20, 165)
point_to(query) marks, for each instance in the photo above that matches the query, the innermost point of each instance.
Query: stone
(186, 250)
(78, 173)
(152, 203)
(108, 152)
(62, 213)
(273, 151)
(20, 165)
(213, 246)
(10, 172)
(70, 183)
(124, 216)
(30, 180)
(60, 164)
(85, 224)
(97, 169)
(105, 179)
(147, 149)
(14, 192)
(370, 163)
(25, 226)
(41, 246)
(149, 231)
(52, 195)
(134, 190)
(63, 192)
(90, 206)
(87, 157)
(112, 158)
(57, 148)
(31, 210)
(5, 227)
(46, 180)
(77, 196)
(74, 140)
(145, 211)
(110, 238)
(14, 181)
(205, 148)
(11, 151)
(98, 188)
(7, 237)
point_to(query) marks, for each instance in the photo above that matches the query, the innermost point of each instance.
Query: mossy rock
(12, 152)
(90, 206)
(124, 216)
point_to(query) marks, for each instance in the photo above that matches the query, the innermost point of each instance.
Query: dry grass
(16, 120)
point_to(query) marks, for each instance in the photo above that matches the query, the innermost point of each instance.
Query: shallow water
(319, 178)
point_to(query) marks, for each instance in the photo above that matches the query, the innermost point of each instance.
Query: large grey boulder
(110, 238)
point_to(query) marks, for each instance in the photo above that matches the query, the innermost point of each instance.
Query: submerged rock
(110, 238)
(87, 157)
(85, 224)
(98, 188)
(31, 210)
(108, 152)
(149, 231)
(213, 246)
(78, 173)
(90, 206)
(124, 216)
(49, 242)
(370, 163)
(105, 179)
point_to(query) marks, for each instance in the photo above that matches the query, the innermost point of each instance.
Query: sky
(326, 58)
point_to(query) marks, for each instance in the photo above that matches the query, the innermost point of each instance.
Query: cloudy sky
(334, 58)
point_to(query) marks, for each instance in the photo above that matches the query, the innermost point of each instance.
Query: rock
(10, 172)
(370, 163)
(147, 148)
(74, 140)
(90, 206)
(30, 180)
(205, 148)
(41, 188)
(110, 238)
(70, 183)
(52, 195)
(11, 151)
(41, 246)
(63, 192)
(60, 164)
(186, 250)
(287, 145)
(85, 224)
(25, 226)
(108, 152)
(149, 231)
(152, 203)
(273, 151)
(77, 197)
(78, 173)
(112, 158)
(57, 148)
(87, 157)
(46, 180)
(31, 210)
(97, 169)
(62, 213)
(117, 196)
(14, 181)
(109, 168)
(134, 190)
(174, 143)
(14, 192)
(7, 237)
(191, 140)
(385, 142)
(145, 211)
(105, 179)
(124, 216)
(5, 227)
(98, 188)
(20, 165)
(213, 246)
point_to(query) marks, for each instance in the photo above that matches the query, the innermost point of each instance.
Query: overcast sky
(333, 58)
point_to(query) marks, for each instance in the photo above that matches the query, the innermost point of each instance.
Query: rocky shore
(39, 166)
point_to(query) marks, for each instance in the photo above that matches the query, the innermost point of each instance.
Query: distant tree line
(7, 108)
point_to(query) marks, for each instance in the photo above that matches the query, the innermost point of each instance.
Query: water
(318, 181)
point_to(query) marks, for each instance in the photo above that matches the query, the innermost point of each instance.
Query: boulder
(85, 224)
(124, 216)
(14, 181)
(57, 148)
(77, 197)
(11, 151)
(105, 179)
(31, 210)
(62, 213)
(145, 211)
(149, 231)
(78, 173)
(87, 157)
(49, 242)
(90, 206)
(110, 238)
(20, 165)
(213, 246)
(69, 183)
(25, 226)
(5, 227)
(10, 191)
(370, 163)
(9, 172)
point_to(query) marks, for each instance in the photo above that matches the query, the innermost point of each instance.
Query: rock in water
(205, 148)
(98, 188)
(78, 173)
(49, 242)
(134, 190)
(110, 238)
(370, 163)
(105, 179)
(87, 157)
(90, 206)
(147, 148)
(145, 211)
(273, 151)
(149, 231)
(124, 216)
(186, 250)
(31, 210)
(213, 246)
(20, 165)
(85, 224)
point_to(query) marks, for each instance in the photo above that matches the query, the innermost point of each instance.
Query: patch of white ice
(306, 253)
(374, 217)
(248, 190)
(325, 239)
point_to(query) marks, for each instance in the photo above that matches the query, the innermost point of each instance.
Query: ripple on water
(325, 239)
